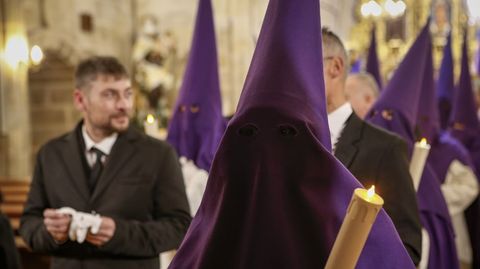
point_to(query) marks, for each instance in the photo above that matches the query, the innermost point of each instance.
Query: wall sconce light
(17, 52)
(36, 55)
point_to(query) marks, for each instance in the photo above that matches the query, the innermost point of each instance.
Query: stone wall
(238, 24)
(57, 26)
(15, 119)
(51, 101)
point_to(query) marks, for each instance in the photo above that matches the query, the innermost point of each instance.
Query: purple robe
(276, 196)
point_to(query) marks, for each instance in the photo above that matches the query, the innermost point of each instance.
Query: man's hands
(105, 233)
(57, 224)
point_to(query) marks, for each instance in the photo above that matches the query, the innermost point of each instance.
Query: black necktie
(96, 170)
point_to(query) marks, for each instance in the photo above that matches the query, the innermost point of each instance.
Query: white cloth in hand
(81, 223)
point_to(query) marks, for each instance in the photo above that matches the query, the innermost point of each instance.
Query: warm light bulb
(371, 8)
(36, 54)
(395, 9)
(371, 192)
(16, 50)
(376, 8)
(365, 10)
(150, 119)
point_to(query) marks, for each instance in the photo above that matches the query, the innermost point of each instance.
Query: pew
(14, 193)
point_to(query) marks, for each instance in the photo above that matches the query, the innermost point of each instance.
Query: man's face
(359, 96)
(107, 103)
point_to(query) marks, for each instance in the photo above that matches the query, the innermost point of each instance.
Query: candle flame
(150, 118)
(423, 142)
(371, 192)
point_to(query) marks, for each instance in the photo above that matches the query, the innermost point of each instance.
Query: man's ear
(79, 99)
(337, 67)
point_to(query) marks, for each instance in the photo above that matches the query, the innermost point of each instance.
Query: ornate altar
(398, 22)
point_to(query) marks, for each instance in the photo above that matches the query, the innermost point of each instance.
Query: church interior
(42, 42)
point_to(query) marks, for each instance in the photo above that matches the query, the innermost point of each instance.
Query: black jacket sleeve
(32, 228)
(396, 187)
(9, 258)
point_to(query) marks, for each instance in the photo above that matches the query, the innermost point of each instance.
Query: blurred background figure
(362, 91)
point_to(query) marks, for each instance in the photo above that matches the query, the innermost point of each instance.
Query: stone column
(15, 134)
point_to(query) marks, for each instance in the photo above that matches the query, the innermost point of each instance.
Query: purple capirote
(445, 85)
(197, 124)
(465, 127)
(373, 65)
(276, 196)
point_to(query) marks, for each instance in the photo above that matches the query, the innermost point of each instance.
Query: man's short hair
(89, 69)
(368, 80)
(333, 46)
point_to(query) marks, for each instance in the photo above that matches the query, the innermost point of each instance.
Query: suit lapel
(72, 157)
(122, 151)
(346, 147)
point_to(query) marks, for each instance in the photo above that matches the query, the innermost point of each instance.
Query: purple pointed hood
(356, 66)
(373, 65)
(428, 120)
(397, 110)
(463, 119)
(477, 58)
(445, 84)
(433, 207)
(465, 127)
(397, 107)
(197, 124)
(276, 196)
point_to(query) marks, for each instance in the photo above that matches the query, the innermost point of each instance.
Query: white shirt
(460, 189)
(337, 121)
(104, 146)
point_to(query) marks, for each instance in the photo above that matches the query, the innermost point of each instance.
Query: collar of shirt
(337, 121)
(105, 145)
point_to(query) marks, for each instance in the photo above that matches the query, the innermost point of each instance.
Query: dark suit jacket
(377, 157)
(9, 257)
(141, 188)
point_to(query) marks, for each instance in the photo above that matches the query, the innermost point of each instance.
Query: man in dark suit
(373, 156)
(105, 166)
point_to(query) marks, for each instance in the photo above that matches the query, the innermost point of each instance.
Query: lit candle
(419, 158)
(361, 214)
(151, 126)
